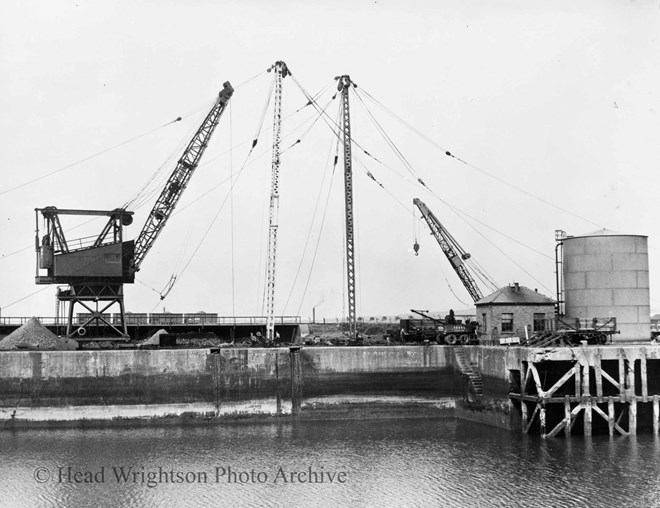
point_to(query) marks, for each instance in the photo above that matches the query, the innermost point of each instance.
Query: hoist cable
(89, 157)
(311, 224)
(318, 242)
(231, 187)
(255, 139)
(144, 194)
(222, 182)
(231, 177)
(215, 217)
(449, 154)
(429, 190)
(386, 137)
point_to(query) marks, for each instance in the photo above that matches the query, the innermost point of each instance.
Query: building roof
(516, 295)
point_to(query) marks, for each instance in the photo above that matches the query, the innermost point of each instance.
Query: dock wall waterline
(232, 383)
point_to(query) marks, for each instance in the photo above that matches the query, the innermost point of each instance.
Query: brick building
(507, 311)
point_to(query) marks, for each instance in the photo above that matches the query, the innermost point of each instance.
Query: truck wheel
(464, 339)
(451, 339)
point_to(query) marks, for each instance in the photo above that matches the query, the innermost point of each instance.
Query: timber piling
(615, 387)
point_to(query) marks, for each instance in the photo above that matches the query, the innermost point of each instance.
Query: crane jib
(180, 177)
(452, 250)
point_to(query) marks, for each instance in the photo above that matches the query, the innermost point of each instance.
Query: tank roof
(601, 232)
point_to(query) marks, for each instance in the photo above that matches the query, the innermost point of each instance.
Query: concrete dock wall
(75, 387)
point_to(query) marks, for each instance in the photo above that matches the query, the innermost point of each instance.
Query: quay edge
(478, 383)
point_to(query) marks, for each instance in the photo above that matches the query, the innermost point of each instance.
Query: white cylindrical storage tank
(605, 275)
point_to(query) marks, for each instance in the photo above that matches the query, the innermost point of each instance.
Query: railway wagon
(165, 318)
(132, 318)
(201, 318)
(84, 317)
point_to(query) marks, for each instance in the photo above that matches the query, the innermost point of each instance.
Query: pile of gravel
(32, 335)
(154, 340)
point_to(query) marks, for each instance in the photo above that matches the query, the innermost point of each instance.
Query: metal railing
(161, 319)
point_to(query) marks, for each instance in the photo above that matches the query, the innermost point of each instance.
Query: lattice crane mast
(454, 252)
(281, 71)
(96, 268)
(179, 178)
(343, 85)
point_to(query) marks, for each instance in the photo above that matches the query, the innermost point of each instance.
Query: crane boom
(455, 254)
(180, 177)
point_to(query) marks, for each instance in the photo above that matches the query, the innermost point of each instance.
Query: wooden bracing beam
(609, 418)
(568, 421)
(620, 391)
(560, 382)
(531, 420)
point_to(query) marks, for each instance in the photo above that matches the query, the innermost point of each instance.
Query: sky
(549, 108)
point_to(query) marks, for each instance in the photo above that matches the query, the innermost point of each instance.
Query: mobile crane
(95, 269)
(448, 330)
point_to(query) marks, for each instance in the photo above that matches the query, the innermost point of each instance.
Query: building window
(507, 322)
(539, 322)
(484, 321)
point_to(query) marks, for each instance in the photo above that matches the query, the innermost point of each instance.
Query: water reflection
(405, 462)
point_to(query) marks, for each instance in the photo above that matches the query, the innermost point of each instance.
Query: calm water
(360, 463)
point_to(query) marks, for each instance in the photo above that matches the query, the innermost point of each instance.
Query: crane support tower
(454, 252)
(95, 269)
(281, 71)
(343, 85)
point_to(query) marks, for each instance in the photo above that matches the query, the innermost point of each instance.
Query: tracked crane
(454, 252)
(96, 268)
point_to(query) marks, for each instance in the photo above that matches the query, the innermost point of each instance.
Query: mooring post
(587, 416)
(656, 415)
(610, 414)
(523, 414)
(567, 415)
(622, 376)
(630, 374)
(279, 383)
(642, 367)
(585, 380)
(632, 416)
(586, 397)
(296, 379)
(542, 418)
(599, 374)
(523, 404)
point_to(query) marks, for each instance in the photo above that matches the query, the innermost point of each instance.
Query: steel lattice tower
(344, 83)
(281, 72)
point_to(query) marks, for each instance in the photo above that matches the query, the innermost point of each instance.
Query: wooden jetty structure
(592, 388)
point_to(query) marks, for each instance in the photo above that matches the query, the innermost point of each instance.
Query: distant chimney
(516, 286)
